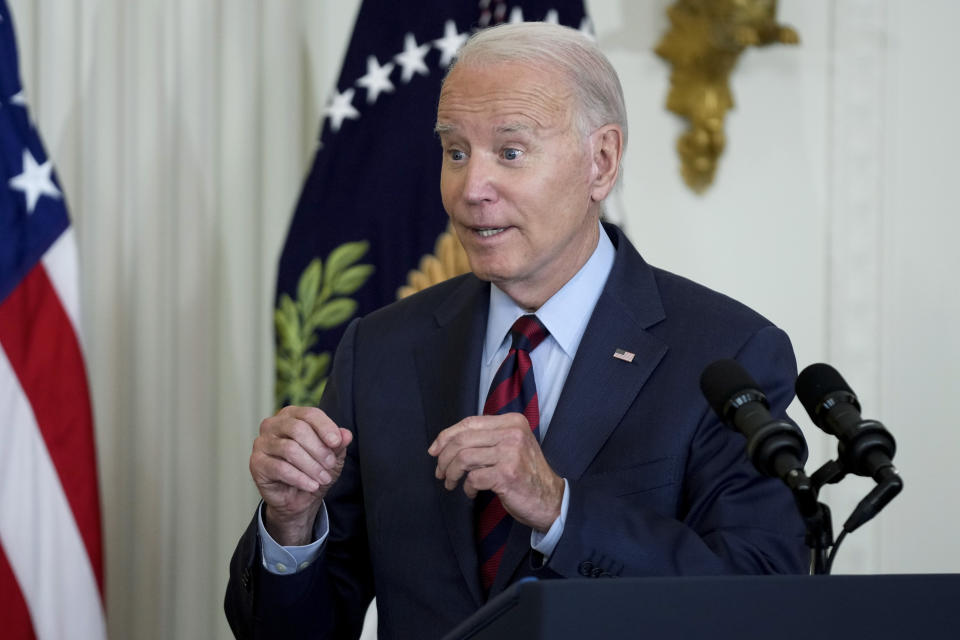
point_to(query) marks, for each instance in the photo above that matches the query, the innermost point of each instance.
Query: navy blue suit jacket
(658, 486)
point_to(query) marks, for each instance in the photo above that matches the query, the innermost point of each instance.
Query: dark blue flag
(370, 210)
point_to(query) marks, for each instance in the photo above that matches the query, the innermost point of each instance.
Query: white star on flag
(450, 43)
(341, 108)
(35, 180)
(377, 79)
(19, 98)
(586, 28)
(412, 58)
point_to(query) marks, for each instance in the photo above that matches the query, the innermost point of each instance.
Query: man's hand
(296, 459)
(499, 453)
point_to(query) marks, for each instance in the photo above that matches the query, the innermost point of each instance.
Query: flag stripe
(43, 351)
(60, 262)
(37, 528)
(16, 616)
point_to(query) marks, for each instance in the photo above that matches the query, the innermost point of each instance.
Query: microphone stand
(816, 517)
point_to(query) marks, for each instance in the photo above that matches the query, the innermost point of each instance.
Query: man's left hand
(499, 453)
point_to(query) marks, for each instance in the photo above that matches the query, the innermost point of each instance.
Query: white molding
(855, 207)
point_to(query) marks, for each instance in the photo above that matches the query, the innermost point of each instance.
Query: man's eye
(456, 155)
(511, 154)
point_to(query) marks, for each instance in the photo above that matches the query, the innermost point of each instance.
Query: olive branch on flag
(321, 304)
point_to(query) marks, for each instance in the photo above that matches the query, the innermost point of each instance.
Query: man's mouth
(487, 232)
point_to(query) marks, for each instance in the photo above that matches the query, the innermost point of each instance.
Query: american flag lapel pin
(622, 354)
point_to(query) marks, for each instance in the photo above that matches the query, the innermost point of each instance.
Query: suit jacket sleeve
(728, 518)
(326, 600)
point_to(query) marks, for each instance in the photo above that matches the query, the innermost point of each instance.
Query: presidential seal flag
(369, 224)
(51, 569)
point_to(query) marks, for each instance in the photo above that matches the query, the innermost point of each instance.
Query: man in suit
(612, 465)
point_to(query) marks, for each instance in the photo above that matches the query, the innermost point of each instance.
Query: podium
(734, 607)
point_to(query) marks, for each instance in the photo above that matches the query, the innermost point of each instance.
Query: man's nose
(479, 181)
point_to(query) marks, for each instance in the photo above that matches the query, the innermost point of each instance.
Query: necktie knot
(528, 332)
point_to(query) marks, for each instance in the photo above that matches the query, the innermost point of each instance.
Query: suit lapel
(600, 388)
(448, 366)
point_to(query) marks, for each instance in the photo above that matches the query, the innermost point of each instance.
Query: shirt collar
(565, 314)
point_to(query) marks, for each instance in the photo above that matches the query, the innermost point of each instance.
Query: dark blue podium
(735, 607)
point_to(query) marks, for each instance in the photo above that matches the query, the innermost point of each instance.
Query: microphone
(866, 447)
(775, 446)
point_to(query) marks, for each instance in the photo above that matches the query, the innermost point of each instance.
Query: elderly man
(539, 416)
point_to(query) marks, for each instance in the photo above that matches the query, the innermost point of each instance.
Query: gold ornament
(448, 260)
(705, 39)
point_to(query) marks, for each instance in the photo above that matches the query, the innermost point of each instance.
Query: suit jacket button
(585, 568)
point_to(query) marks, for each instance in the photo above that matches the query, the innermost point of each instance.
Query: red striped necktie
(513, 390)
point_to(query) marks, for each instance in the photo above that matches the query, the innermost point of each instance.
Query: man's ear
(607, 146)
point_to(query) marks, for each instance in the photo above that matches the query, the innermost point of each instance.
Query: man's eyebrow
(513, 127)
(442, 128)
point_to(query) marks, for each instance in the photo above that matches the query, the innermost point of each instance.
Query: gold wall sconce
(705, 39)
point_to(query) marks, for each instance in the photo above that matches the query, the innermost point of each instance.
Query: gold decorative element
(448, 260)
(703, 44)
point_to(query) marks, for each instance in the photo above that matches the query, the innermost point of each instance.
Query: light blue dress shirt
(565, 315)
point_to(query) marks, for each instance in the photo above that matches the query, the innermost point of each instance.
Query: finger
(294, 452)
(340, 453)
(444, 437)
(476, 423)
(465, 461)
(325, 428)
(346, 437)
(475, 439)
(481, 479)
(311, 428)
(270, 470)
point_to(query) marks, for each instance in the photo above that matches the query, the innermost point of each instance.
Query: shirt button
(304, 565)
(282, 568)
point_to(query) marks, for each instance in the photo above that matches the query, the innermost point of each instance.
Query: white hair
(571, 53)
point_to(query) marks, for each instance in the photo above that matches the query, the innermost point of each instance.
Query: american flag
(51, 568)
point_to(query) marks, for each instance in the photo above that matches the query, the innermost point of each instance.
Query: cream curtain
(181, 131)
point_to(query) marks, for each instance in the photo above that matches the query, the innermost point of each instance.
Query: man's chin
(496, 274)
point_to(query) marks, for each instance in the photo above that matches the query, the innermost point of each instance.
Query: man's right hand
(296, 459)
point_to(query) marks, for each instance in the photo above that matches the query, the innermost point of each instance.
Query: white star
(340, 109)
(34, 181)
(450, 43)
(516, 15)
(412, 58)
(19, 98)
(586, 28)
(377, 79)
(552, 17)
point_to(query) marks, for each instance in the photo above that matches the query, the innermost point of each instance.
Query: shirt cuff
(282, 560)
(545, 543)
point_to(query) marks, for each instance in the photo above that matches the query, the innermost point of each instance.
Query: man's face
(516, 177)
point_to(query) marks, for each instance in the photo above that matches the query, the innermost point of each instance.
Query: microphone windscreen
(816, 382)
(723, 380)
